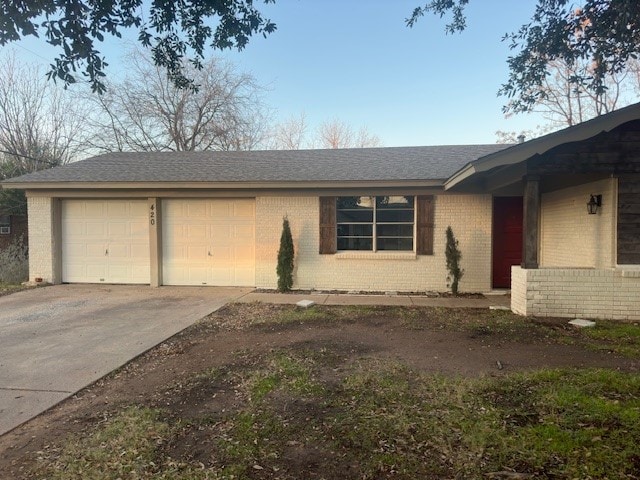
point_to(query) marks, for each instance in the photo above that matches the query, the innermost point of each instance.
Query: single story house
(370, 219)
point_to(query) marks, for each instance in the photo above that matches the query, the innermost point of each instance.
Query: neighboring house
(12, 229)
(370, 219)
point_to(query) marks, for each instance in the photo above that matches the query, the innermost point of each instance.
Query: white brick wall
(572, 238)
(612, 293)
(468, 215)
(41, 240)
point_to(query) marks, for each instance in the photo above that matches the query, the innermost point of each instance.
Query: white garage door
(105, 241)
(208, 242)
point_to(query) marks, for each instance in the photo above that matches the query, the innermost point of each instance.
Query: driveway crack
(15, 389)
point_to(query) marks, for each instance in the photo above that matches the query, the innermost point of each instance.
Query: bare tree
(147, 112)
(41, 126)
(508, 137)
(290, 134)
(337, 134)
(565, 99)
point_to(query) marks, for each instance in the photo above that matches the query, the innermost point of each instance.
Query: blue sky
(355, 60)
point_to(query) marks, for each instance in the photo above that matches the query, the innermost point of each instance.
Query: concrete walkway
(57, 340)
(497, 300)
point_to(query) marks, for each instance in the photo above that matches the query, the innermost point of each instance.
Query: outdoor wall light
(594, 202)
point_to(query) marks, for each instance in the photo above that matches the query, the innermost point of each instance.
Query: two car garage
(201, 241)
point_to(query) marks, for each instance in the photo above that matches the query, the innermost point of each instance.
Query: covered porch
(577, 260)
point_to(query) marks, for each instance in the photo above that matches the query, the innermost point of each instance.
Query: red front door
(507, 238)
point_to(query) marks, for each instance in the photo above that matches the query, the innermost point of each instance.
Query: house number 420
(152, 214)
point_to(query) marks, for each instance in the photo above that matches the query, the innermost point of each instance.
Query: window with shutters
(375, 223)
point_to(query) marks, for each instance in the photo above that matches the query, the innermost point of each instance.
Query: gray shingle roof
(362, 164)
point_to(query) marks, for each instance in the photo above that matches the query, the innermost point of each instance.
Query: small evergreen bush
(285, 258)
(453, 255)
(14, 262)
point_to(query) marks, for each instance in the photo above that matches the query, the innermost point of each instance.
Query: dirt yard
(453, 343)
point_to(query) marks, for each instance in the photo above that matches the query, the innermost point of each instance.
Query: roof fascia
(221, 185)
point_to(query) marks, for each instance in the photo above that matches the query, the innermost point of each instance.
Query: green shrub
(285, 258)
(453, 255)
(14, 262)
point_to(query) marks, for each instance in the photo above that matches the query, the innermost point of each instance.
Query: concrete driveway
(57, 340)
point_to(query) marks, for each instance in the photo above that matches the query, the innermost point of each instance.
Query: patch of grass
(617, 337)
(580, 424)
(297, 315)
(288, 314)
(284, 370)
(294, 416)
(9, 288)
(475, 322)
(396, 425)
(126, 446)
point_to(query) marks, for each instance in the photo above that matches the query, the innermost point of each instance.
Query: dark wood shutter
(328, 240)
(424, 230)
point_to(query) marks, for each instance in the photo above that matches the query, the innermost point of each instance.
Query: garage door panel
(117, 229)
(94, 273)
(221, 234)
(197, 232)
(222, 274)
(195, 252)
(119, 272)
(103, 241)
(93, 229)
(139, 251)
(119, 251)
(244, 210)
(223, 255)
(241, 231)
(138, 210)
(196, 209)
(140, 273)
(139, 229)
(244, 275)
(210, 227)
(243, 255)
(115, 208)
(78, 228)
(91, 210)
(90, 250)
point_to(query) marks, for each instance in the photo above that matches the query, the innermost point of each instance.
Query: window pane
(5, 220)
(354, 202)
(397, 230)
(395, 244)
(354, 209)
(394, 216)
(351, 230)
(355, 243)
(355, 216)
(394, 201)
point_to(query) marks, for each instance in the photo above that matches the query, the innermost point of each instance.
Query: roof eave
(221, 185)
(538, 146)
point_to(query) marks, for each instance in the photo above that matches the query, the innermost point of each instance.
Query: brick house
(369, 219)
